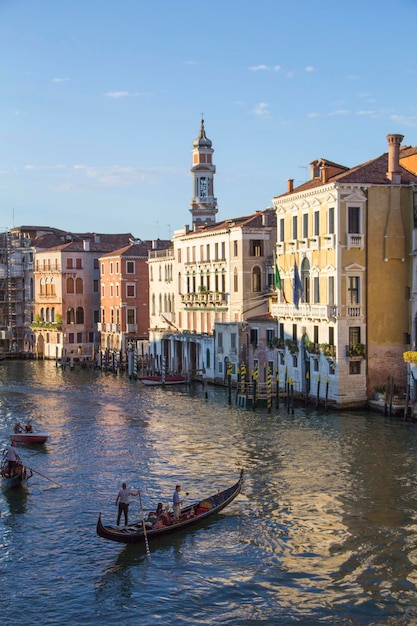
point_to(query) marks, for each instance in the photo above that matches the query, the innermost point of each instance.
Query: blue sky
(101, 101)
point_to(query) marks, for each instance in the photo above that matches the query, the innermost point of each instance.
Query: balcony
(131, 328)
(355, 240)
(321, 312)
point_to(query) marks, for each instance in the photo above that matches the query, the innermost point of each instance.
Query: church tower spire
(203, 203)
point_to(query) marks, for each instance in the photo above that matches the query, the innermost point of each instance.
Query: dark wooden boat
(190, 516)
(20, 479)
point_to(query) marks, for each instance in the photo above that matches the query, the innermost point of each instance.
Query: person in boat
(123, 501)
(28, 427)
(153, 516)
(17, 428)
(12, 459)
(177, 503)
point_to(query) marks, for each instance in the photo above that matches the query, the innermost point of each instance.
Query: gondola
(20, 479)
(190, 516)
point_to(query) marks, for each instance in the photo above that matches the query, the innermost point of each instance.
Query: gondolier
(176, 503)
(12, 458)
(123, 501)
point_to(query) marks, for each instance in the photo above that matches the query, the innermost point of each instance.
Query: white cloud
(59, 80)
(261, 109)
(117, 94)
(309, 68)
(407, 120)
(121, 176)
(313, 114)
(370, 112)
(339, 112)
(264, 68)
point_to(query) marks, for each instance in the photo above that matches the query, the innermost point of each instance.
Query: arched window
(53, 315)
(79, 316)
(153, 304)
(47, 319)
(41, 289)
(256, 279)
(70, 315)
(70, 285)
(42, 314)
(79, 285)
(53, 292)
(305, 279)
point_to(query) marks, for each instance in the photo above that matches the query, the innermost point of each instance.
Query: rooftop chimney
(290, 185)
(394, 171)
(324, 173)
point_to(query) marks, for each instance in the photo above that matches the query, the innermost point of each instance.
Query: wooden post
(277, 381)
(269, 388)
(307, 387)
(318, 391)
(229, 381)
(327, 392)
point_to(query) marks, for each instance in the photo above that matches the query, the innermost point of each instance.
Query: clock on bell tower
(203, 203)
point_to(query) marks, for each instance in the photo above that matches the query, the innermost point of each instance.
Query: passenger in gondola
(28, 427)
(17, 428)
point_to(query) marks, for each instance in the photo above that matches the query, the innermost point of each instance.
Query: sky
(101, 101)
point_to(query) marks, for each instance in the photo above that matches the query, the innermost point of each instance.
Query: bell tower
(203, 203)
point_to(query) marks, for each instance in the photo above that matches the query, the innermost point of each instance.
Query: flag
(279, 284)
(297, 286)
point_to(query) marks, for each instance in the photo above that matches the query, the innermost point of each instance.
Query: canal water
(324, 531)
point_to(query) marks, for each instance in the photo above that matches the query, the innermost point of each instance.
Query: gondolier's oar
(148, 552)
(43, 475)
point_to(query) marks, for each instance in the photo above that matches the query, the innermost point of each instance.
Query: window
(111, 267)
(305, 225)
(316, 290)
(269, 335)
(354, 214)
(95, 264)
(179, 255)
(95, 286)
(233, 341)
(256, 247)
(305, 280)
(254, 336)
(130, 290)
(223, 244)
(294, 227)
(353, 290)
(256, 279)
(69, 264)
(70, 285)
(208, 252)
(235, 248)
(79, 285)
(208, 357)
(130, 267)
(220, 340)
(354, 335)
(331, 221)
(316, 223)
(79, 315)
(235, 280)
(78, 264)
(130, 316)
(282, 229)
(70, 315)
(331, 290)
(102, 269)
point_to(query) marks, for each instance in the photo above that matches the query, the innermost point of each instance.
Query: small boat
(162, 380)
(36, 437)
(141, 531)
(20, 479)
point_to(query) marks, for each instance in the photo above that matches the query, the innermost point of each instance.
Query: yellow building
(343, 264)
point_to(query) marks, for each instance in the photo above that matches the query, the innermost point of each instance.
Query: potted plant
(379, 392)
(357, 350)
(292, 345)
